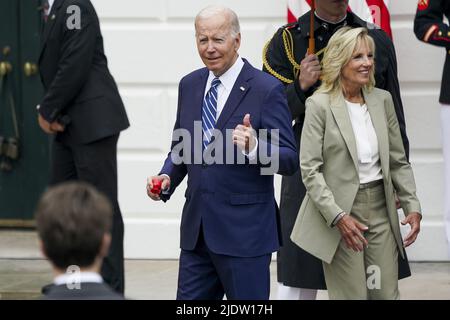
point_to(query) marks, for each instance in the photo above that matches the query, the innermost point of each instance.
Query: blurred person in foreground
(74, 227)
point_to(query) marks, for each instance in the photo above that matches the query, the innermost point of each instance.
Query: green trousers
(372, 273)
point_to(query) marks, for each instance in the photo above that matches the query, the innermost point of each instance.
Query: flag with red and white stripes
(374, 11)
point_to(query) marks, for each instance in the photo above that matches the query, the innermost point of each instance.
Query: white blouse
(366, 142)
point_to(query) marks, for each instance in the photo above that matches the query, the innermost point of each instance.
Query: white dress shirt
(81, 277)
(50, 4)
(366, 142)
(227, 81)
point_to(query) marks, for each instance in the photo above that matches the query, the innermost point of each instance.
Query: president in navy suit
(236, 134)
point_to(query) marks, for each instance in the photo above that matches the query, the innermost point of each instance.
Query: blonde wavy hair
(338, 53)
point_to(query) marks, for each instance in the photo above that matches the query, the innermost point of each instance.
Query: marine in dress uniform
(282, 57)
(429, 27)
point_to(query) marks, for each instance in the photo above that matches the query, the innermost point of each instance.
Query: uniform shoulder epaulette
(372, 26)
(288, 45)
(291, 25)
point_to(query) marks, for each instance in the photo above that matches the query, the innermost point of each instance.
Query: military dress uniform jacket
(281, 57)
(429, 27)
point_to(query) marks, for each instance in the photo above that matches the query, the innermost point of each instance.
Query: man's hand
(49, 128)
(45, 125)
(351, 233)
(165, 185)
(310, 71)
(244, 136)
(413, 219)
(56, 126)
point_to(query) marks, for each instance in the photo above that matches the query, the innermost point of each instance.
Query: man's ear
(106, 242)
(238, 42)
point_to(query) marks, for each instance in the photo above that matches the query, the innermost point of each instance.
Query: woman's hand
(413, 219)
(351, 231)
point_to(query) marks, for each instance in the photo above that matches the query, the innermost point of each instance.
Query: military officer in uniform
(429, 27)
(285, 57)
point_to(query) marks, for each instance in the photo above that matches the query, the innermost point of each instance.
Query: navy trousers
(205, 275)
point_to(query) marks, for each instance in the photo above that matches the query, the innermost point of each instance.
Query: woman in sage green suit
(353, 163)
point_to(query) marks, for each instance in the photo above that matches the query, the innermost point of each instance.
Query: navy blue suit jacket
(234, 202)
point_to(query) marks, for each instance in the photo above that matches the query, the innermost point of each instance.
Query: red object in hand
(156, 186)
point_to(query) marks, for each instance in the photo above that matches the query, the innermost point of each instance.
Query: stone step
(19, 244)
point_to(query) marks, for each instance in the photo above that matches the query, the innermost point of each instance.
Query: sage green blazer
(329, 167)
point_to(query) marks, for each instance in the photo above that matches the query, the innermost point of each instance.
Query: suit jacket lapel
(199, 95)
(49, 25)
(240, 89)
(377, 115)
(340, 113)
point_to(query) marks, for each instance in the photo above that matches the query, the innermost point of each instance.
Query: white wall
(150, 45)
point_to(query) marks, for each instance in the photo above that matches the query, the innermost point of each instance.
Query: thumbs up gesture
(244, 135)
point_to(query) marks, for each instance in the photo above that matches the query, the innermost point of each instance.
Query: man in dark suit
(74, 227)
(83, 111)
(229, 225)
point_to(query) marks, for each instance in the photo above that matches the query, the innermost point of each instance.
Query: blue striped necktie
(209, 112)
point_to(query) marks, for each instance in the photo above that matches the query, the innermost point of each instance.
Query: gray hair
(213, 10)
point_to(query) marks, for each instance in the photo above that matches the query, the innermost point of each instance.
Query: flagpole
(312, 40)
